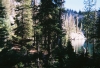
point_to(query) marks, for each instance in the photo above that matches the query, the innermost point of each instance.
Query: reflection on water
(81, 45)
(78, 45)
(77, 41)
(89, 47)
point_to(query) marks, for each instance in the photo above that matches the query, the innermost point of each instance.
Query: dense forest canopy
(43, 34)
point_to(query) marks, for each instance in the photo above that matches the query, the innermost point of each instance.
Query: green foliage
(98, 27)
(3, 36)
(24, 25)
(3, 28)
(89, 19)
(20, 65)
(47, 38)
(97, 35)
(70, 50)
(48, 18)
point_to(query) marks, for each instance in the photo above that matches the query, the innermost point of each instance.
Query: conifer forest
(44, 34)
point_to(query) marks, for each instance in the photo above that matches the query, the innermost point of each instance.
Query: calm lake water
(81, 45)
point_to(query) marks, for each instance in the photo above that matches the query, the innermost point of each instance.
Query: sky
(78, 4)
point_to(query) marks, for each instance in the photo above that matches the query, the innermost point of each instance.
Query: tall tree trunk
(60, 40)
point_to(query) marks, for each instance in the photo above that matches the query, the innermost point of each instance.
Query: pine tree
(24, 28)
(89, 20)
(97, 34)
(8, 7)
(50, 27)
(98, 26)
(3, 27)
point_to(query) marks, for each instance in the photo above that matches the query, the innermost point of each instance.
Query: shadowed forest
(43, 34)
